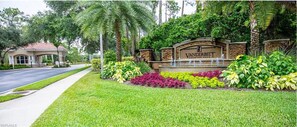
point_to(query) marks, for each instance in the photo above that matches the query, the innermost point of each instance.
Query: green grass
(9, 97)
(43, 83)
(95, 102)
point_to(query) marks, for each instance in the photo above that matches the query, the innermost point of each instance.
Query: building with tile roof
(34, 54)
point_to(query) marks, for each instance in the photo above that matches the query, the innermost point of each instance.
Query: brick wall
(167, 53)
(236, 49)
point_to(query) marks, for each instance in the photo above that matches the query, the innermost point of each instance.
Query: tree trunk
(127, 36)
(105, 41)
(198, 6)
(254, 47)
(165, 10)
(58, 56)
(182, 8)
(133, 45)
(160, 12)
(118, 39)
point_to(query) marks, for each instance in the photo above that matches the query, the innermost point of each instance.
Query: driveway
(10, 79)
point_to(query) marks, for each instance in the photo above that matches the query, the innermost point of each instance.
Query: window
(22, 59)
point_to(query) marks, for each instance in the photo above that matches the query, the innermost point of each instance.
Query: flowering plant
(156, 80)
(209, 74)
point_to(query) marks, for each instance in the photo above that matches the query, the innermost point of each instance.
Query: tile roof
(42, 46)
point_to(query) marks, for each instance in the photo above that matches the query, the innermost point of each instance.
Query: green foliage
(248, 72)
(194, 26)
(128, 58)
(96, 64)
(144, 67)
(121, 71)
(288, 82)
(11, 33)
(17, 66)
(73, 55)
(194, 81)
(109, 56)
(281, 64)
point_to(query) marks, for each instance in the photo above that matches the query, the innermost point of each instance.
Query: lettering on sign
(201, 52)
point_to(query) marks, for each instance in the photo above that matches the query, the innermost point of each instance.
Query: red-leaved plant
(209, 74)
(156, 80)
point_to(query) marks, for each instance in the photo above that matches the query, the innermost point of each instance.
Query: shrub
(130, 58)
(4, 67)
(248, 72)
(144, 67)
(96, 64)
(280, 64)
(288, 82)
(194, 81)
(121, 71)
(156, 80)
(109, 56)
(209, 74)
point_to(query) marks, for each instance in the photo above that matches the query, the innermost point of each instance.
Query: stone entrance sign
(206, 48)
(203, 48)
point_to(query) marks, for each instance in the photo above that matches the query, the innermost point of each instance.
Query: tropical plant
(144, 67)
(281, 64)
(109, 56)
(113, 16)
(156, 80)
(96, 64)
(261, 14)
(248, 72)
(287, 82)
(121, 71)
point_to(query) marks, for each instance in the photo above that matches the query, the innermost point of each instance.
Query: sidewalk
(22, 112)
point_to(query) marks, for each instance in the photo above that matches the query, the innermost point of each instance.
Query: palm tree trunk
(118, 39)
(254, 47)
(105, 41)
(160, 12)
(182, 8)
(165, 10)
(133, 45)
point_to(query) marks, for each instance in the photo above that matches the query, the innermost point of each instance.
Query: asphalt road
(10, 79)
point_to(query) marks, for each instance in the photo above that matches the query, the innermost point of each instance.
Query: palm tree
(113, 16)
(260, 15)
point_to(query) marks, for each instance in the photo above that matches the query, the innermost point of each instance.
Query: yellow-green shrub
(121, 71)
(288, 82)
(194, 81)
(96, 64)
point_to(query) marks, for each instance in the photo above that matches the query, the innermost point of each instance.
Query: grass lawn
(95, 102)
(9, 97)
(45, 82)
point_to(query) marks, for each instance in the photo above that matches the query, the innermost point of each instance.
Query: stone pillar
(146, 54)
(60, 58)
(11, 60)
(167, 53)
(274, 45)
(53, 61)
(236, 48)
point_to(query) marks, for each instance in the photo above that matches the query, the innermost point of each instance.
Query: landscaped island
(93, 101)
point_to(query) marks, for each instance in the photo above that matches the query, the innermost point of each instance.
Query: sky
(31, 7)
